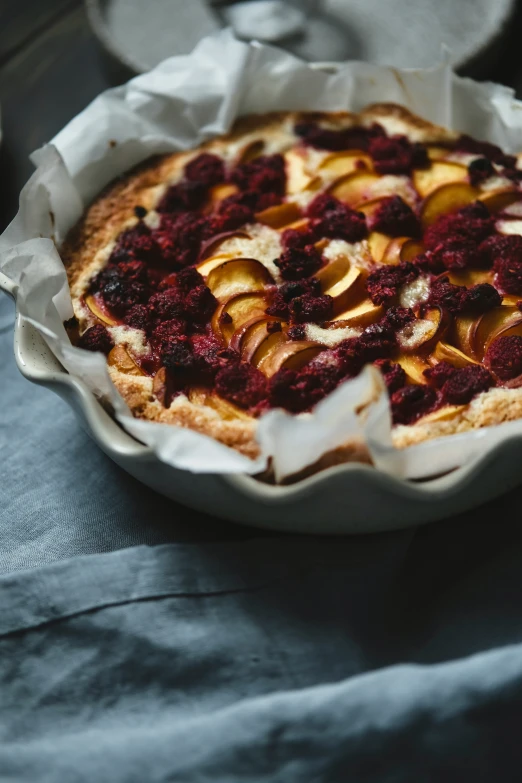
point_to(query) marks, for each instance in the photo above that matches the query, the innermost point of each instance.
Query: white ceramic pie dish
(345, 499)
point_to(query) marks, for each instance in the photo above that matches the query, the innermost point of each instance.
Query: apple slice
(297, 176)
(250, 336)
(421, 333)
(439, 173)
(463, 333)
(378, 243)
(500, 321)
(237, 276)
(120, 359)
(435, 152)
(227, 410)
(206, 267)
(257, 354)
(363, 314)
(447, 198)
(159, 386)
(354, 187)
(288, 355)
(212, 245)
(237, 338)
(235, 312)
(414, 367)
(279, 216)
(444, 352)
(339, 163)
(445, 413)
(401, 249)
(218, 193)
(251, 150)
(97, 307)
(497, 200)
(470, 277)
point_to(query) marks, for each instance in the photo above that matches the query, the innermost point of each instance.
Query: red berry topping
(296, 263)
(166, 305)
(411, 402)
(448, 296)
(188, 278)
(454, 254)
(505, 254)
(199, 304)
(292, 237)
(439, 374)
(137, 316)
(166, 331)
(473, 223)
(265, 174)
(183, 196)
(311, 309)
(394, 375)
(481, 298)
(479, 170)
(396, 155)
(385, 282)
(136, 243)
(466, 383)
(206, 168)
(323, 204)
(96, 338)
(180, 237)
(342, 139)
(395, 218)
(504, 357)
(467, 144)
(299, 391)
(242, 384)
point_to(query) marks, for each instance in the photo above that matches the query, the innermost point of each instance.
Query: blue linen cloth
(392, 657)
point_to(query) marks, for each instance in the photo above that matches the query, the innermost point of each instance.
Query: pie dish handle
(7, 285)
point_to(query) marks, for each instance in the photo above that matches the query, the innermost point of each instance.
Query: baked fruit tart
(267, 267)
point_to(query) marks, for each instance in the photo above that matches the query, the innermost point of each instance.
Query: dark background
(52, 66)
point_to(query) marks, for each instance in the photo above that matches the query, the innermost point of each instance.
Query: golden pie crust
(88, 247)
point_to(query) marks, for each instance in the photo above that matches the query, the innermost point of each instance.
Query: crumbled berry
(342, 139)
(342, 223)
(397, 317)
(395, 218)
(297, 333)
(231, 217)
(473, 223)
(165, 305)
(322, 204)
(448, 296)
(289, 291)
(396, 155)
(311, 309)
(465, 383)
(180, 237)
(377, 341)
(136, 243)
(504, 253)
(242, 384)
(188, 278)
(504, 357)
(96, 338)
(428, 262)
(199, 304)
(439, 374)
(350, 355)
(166, 331)
(299, 238)
(455, 253)
(206, 168)
(394, 375)
(296, 263)
(411, 402)
(467, 144)
(120, 295)
(300, 390)
(479, 170)
(264, 174)
(178, 357)
(481, 298)
(137, 316)
(183, 196)
(385, 282)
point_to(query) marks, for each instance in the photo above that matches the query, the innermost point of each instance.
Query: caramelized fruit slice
(266, 347)
(439, 173)
(97, 308)
(497, 200)
(237, 276)
(212, 245)
(362, 314)
(251, 150)
(279, 216)
(401, 249)
(355, 187)
(288, 355)
(297, 176)
(378, 243)
(421, 333)
(213, 262)
(341, 163)
(120, 358)
(235, 312)
(218, 193)
(444, 352)
(445, 199)
(227, 410)
(414, 367)
(501, 321)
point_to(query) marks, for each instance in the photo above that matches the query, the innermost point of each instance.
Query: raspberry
(395, 218)
(180, 237)
(468, 144)
(199, 304)
(377, 341)
(504, 357)
(343, 223)
(288, 291)
(166, 305)
(311, 309)
(242, 384)
(411, 402)
(473, 223)
(505, 254)
(440, 373)
(384, 283)
(136, 243)
(448, 296)
(298, 238)
(96, 338)
(137, 316)
(234, 216)
(351, 356)
(205, 168)
(466, 383)
(296, 263)
(481, 298)
(211, 353)
(397, 317)
(342, 139)
(297, 333)
(183, 196)
(265, 174)
(322, 204)
(120, 295)
(429, 263)
(178, 357)
(166, 331)
(479, 170)
(396, 155)
(188, 278)
(454, 254)
(394, 375)
(298, 391)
